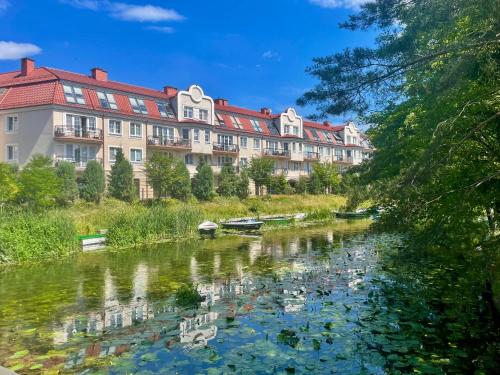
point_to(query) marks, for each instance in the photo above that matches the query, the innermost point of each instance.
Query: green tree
(227, 181)
(242, 190)
(159, 172)
(278, 185)
(260, 171)
(93, 182)
(324, 178)
(39, 184)
(121, 179)
(302, 185)
(180, 188)
(429, 88)
(69, 188)
(203, 182)
(8, 183)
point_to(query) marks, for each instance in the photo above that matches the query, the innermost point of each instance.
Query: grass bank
(33, 237)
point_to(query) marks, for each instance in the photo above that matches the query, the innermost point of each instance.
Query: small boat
(242, 224)
(93, 242)
(207, 227)
(300, 216)
(283, 219)
(358, 214)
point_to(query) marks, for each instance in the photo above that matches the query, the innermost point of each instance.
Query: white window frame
(77, 97)
(15, 152)
(109, 153)
(16, 124)
(130, 129)
(109, 99)
(256, 144)
(236, 122)
(186, 111)
(121, 127)
(256, 126)
(196, 135)
(245, 143)
(138, 105)
(203, 114)
(136, 149)
(207, 136)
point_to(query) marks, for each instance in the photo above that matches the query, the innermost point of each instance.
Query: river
(333, 298)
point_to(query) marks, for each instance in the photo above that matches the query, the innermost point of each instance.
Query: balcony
(343, 159)
(80, 135)
(80, 163)
(275, 153)
(169, 143)
(311, 156)
(220, 148)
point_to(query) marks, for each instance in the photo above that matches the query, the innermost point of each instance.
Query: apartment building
(77, 117)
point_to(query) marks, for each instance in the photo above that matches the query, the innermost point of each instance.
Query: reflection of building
(198, 330)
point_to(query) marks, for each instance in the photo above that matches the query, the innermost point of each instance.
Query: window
(224, 160)
(188, 159)
(256, 144)
(11, 153)
(321, 150)
(287, 129)
(112, 153)
(224, 139)
(294, 147)
(328, 151)
(256, 126)
(296, 130)
(203, 114)
(196, 136)
(162, 132)
(73, 94)
(188, 112)
(107, 100)
(11, 124)
(138, 105)
(243, 162)
(236, 122)
(136, 129)
(315, 134)
(136, 155)
(328, 136)
(273, 145)
(207, 136)
(244, 142)
(165, 110)
(220, 120)
(348, 139)
(115, 127)
(355, 140)
(185, 134)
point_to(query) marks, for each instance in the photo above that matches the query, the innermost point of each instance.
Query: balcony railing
(312, 156)
(89, 135)
(226, 149)
(274, 152)
(78, 162)
(173, 143)
(343, 159)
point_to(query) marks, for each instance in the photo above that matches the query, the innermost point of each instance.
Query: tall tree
(242, 190)
(430, 90)
(260, 171)
(121, 179)
(69, 188)
(203, 182)
(180, 188)
(93, 182)
(8, 183)
(39, 184)
(159, 172)
(227, 181)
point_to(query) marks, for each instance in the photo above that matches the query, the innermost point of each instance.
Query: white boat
(300, 216)
(207, 227)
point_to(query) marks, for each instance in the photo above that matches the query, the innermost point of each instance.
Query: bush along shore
(28, 236)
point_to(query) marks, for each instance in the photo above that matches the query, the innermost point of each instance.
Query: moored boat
(358, 214)
(243, 224)
(207, 227)
(93, 242)
(280, 219)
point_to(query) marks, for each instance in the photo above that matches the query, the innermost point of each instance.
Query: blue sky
(253, 53)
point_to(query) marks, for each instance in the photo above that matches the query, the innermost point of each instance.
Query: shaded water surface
(319, 300)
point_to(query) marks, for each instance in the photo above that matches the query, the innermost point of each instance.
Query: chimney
(99, 74)
(27, 66)
(223, 102)
(327, 123)
(170, 91)
(265, 111)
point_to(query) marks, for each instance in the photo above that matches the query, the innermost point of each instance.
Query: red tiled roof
(241, 111)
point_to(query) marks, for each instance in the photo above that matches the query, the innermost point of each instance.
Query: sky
(253, 53)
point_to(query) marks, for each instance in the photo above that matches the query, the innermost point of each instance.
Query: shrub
(180, 188)
(302, 185)
(278, 185)
(242, 190)
(92, 182)
(69, 189)
(9, 186)
(159, 172)
(39, 184)
(121, 180)
(260, 171)
(227, 181)
(203, 182)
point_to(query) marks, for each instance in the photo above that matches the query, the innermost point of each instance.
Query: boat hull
(243, 225)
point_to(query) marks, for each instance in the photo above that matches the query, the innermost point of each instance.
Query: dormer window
(328, 137)
(107, 100)
(256, 126)
(138, 105)
(73, 94)
(236, 122)
(220, 120)
(165, 110)
(315, 134)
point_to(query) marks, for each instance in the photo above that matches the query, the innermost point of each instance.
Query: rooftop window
(220, 120)
(165, 110)
(73, 94)
(236, 122)
(315, 134)
(107, 100)
(138, 105)
(328, 136)
(256, 126)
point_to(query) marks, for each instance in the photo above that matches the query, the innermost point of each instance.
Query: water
(325, 299)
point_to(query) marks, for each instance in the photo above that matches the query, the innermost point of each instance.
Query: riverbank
(40, 236)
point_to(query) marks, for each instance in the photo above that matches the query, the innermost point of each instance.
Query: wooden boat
(207, 227)
(242, 224)
(93, 242)
(358, 214)
(281, 219)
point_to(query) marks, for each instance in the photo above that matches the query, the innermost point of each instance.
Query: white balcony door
(226, 140)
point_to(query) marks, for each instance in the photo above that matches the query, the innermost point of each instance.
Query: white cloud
(352, 4)
(14, 51)
(162, 29)
(127, 12)
(270, 55)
